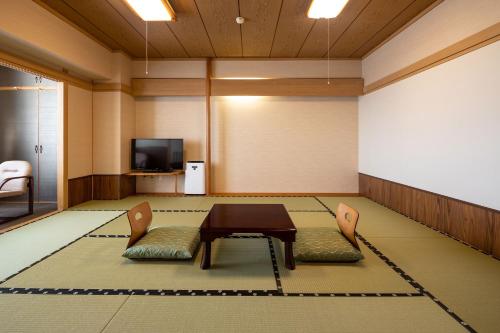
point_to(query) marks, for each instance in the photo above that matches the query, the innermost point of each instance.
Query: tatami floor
(65, 273)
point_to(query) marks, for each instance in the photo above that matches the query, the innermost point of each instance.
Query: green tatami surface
(378, 294)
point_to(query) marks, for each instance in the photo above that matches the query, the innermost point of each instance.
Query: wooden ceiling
(273, 28)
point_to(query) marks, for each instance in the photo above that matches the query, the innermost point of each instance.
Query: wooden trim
(286, 194)
(168, 87)
(465, 221)
(407, 24)
(208, 130)
(288, 87)
(79, 190)
(30, 67)
(62, 146)
(107, 87)
(471, 43)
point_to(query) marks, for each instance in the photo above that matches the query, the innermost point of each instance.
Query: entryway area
(29, 133)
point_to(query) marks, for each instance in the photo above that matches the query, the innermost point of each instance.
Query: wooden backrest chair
(347, 219)
(140, 218)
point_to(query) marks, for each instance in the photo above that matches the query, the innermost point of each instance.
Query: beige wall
(285, 144)
(171, 117)
(448, 23)
(107, 137)
(40, 34)
(79, 132)
(127, 130)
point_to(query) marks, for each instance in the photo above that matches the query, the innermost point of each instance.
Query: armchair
(16, 179)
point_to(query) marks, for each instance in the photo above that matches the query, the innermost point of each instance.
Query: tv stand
(174, 173)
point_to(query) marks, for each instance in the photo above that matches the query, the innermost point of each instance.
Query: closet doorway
(29, 132)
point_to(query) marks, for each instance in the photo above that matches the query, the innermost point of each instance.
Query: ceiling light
(152, 10)
(325, 8)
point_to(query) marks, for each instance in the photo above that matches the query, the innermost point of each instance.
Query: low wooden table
(270, 220)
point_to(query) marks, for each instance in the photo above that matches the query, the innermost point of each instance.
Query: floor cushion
(166, 243)
(324, 244)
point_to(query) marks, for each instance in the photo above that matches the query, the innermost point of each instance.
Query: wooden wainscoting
(113, 187)
(79, 190)
(475, 225)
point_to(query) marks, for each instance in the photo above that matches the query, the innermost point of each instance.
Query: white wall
(446, 24)
(284, 144)
(438, 130)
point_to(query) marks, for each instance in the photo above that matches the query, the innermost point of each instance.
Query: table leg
(205, 259)
(289, 259)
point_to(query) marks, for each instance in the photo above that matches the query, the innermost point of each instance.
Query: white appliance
(194, 180)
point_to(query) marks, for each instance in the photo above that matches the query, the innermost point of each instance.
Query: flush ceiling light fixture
(152, 10)
(325, 8)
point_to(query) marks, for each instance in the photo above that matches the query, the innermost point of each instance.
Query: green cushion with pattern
(324, 244)
(166, 243)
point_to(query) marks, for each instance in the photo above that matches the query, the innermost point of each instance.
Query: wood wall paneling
(496, 235)
(112, 187)
(287, 87)
(79, 190)
(127, 186)
(470, 223)
(168, 87)
(106, 187)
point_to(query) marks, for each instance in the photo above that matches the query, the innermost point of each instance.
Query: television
(157, 155)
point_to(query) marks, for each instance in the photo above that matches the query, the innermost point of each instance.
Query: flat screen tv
(157, 155)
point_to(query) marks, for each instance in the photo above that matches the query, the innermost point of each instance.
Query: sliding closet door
(47, 140)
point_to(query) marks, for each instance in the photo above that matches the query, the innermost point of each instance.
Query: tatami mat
(370, 275)
(377, 221)
(51, 314)
(281, 314)
(238, 264)
(24, 246)
(464, 279)
(291, 203)
(121, 226)
(156, 203)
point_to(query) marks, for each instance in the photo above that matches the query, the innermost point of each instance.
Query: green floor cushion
(166, 243)
(324, 244)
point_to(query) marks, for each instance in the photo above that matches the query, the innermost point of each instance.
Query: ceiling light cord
(328, 47)
(147, 63)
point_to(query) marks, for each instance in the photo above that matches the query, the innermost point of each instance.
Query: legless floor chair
(171, 243)
(15, 180)
(330, 244)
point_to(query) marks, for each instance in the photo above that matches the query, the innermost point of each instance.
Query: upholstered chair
(15, 180)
